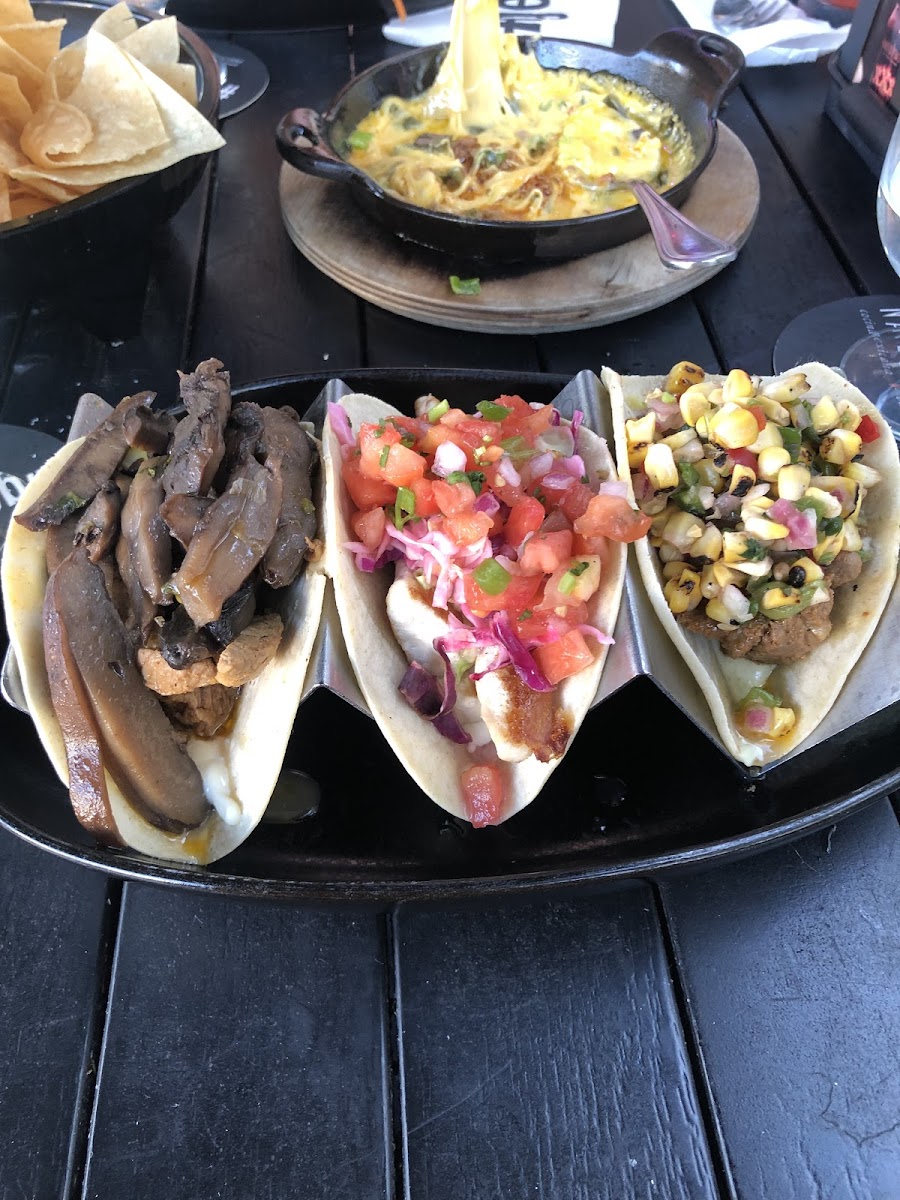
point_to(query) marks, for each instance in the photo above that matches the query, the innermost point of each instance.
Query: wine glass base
(858, 336)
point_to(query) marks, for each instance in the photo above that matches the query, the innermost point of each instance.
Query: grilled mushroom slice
(145, 532)
(288, 455)
(199, 443)
(99, 524)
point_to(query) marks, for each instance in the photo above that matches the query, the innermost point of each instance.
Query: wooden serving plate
(327, 228)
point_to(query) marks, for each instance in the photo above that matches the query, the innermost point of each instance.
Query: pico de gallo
(755, 490)
(495, 519)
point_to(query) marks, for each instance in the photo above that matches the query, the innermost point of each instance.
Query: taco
(478, 564)
(773, 548)
(162, 614)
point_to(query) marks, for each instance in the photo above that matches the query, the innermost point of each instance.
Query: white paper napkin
(575, 20)
(794, 38)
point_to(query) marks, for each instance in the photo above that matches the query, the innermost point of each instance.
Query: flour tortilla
(264, 715)
(811, 685)
(434, 762)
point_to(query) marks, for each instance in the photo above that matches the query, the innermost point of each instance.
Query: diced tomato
(423, 490)
(471, 432)
(551, 497)
(868, 430)
(467, 527)
(453, 498)
(543, 552)
(582, 586)
(587, 544)
(575, 500)
(434, 436)
(745, 458)
(759, 415)
(515, 597)
(364, 492)
(525, 517)
(509, 493)
(525, 421)
(612, 517)
(373, 441)
(403, 466)
(369, 526)
(484, 794)
(568, 656)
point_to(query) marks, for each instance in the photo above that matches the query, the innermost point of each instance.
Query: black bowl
(690, 70)
(108, 233)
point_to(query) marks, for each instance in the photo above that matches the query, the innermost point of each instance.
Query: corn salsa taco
(773, 545)
(478, 562)
(162, 614)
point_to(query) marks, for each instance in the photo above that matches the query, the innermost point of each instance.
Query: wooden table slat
(789, 961)
(542, 1054)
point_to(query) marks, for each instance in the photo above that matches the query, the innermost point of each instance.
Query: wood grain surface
(328, 228)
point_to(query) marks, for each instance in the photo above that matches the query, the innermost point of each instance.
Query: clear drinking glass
(873, 363)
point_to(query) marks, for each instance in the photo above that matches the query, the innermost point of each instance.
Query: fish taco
(478, 563)
(162, 611)
(773, 546)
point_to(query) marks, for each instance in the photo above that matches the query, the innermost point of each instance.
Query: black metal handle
(713, 63)
(300, 142)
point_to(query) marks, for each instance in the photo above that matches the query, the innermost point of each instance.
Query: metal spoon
(679, 242)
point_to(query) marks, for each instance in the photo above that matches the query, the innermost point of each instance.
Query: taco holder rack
(642, 648)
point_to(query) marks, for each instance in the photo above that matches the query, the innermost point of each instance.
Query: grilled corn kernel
(674, 568)
(829, 548)
(660, 467)
(675, 441)
(765, 529)
(824, 415)
(757, 570)
(660, 519)
(805, 456)
(755, 508)
(716, 611)
(774, 411)
(682, 376)
(863, 474)
(733, 427)
(709, 544)
(793, 481)
(708, 586)
(850, 416)
(771, 461)
(841, 489)
(852, 540)
(804, 571)
(830, 505)
(702, 426)
(783, 721)
(725, 575)
(682, 530)
(742, 480)
(769, 436)
(669, 553)
(709, 476)
(780, 597)
(693, 404)
(787, 388)
(639, 434)
(683, 594)
(840, 447)
(738, 388)
(738, 546)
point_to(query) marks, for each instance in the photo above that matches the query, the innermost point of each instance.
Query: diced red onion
(506, 469)
(726, 505)
(592, 631)
(574, 465)
(488, 503)
(577, 419)
(615, 487)
(558, 440)
(801, 524)
(523, 663)
(449, 458)
(556, 414)
(558, 481)
(340, 424)
(536, 468)
(668, 416)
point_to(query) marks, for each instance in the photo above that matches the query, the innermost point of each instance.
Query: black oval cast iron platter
(640, 793)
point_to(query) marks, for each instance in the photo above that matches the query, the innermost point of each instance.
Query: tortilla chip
(26, 204)
(38, 42)
(16, 12)
(116, 23)
(155, 43)
(36, 181)
(181, 78)
(5, 206)
(64, 73)
(28, 75)
(10, 154)
(57, 130)
(14, 108)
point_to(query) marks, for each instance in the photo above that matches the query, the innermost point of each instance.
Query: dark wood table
(727, 1033)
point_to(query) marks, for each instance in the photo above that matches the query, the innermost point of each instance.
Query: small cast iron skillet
(692, 71)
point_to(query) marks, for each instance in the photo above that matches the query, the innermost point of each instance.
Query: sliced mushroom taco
(773, 546)
(478, 564)
(160, 608)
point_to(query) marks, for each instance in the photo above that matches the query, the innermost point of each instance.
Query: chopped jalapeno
(791, 440)
(404, 506)
(358, 140)
(759, 696)
(690, 476)
(491, 577)
(437, 410)
(688, 498)
(464, 287)
(570, 579)
(491, 411)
